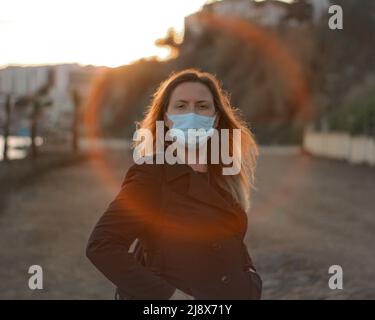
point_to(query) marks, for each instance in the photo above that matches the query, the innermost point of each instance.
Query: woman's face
(191, 97)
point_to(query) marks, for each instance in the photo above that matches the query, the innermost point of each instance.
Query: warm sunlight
(110, 32)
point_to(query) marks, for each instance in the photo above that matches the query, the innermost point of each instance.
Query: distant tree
(172, 41)
(39, 101)
(343, 57)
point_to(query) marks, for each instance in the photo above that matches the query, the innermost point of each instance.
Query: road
(307, 214)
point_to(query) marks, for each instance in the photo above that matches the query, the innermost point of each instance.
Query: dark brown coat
(192, 233)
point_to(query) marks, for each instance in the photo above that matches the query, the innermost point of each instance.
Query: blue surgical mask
(192, 120)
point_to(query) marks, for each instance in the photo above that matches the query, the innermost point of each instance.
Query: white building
(24, 81)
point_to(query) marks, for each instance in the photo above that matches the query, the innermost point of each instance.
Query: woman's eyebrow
(180, 100)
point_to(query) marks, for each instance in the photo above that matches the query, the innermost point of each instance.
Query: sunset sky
(110, 32)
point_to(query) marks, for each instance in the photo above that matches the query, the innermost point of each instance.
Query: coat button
(216, 245)
(225, 279)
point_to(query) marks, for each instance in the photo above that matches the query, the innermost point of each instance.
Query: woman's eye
(180, 106)
(203, 106)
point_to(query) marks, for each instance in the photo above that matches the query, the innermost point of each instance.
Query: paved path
(307, 214)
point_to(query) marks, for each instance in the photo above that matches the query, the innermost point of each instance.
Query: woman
(189, 218)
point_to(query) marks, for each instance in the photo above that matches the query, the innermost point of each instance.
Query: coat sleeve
(124, 220)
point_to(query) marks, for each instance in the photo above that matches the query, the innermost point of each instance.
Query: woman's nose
(191, 107)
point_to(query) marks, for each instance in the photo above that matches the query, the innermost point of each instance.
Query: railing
(340, 145)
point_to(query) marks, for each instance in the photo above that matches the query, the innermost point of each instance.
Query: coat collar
(199, 187)
(200, 190)
(174, 171)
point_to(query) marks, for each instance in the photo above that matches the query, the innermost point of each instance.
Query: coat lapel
(199, 187)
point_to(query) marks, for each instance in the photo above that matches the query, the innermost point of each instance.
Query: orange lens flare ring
(273, 49)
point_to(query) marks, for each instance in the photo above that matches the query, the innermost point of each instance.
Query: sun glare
(111, 32)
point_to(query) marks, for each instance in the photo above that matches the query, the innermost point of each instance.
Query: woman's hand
(180, 295)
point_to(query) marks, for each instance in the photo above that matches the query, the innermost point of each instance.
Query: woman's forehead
(191, 91)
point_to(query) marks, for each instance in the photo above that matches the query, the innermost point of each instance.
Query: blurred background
(76, 75)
